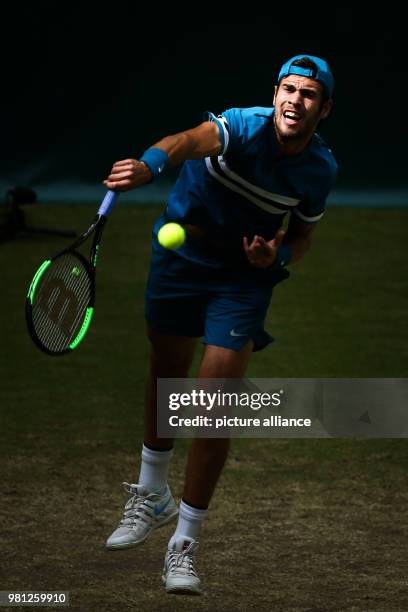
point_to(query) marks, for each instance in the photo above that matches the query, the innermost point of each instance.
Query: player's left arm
(298, 237)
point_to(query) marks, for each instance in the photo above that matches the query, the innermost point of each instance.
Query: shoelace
(135, 506)
(182, 562)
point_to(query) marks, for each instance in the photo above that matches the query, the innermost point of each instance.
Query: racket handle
(108, 203)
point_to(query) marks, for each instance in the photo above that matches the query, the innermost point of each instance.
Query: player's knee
(170, 355)
(221, 362)
(169, 365)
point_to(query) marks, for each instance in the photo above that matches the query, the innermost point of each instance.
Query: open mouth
(291, 117)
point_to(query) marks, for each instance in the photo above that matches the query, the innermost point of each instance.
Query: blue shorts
(226, 307)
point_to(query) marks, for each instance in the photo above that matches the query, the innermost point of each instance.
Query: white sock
(154, 468)
(189, 522)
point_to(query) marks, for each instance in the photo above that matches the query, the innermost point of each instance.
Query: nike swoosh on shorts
(234, 333)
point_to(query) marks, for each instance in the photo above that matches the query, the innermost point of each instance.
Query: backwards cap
(322, 74)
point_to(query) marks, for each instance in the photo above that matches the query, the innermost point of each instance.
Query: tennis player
(243, 172)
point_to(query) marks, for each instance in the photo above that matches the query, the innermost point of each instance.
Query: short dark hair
(305, 62)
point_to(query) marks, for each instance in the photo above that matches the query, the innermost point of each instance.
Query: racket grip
(108, 203)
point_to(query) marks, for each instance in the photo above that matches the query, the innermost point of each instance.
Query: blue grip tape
(108, 203)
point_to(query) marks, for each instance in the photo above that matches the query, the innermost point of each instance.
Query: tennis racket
(61, 298)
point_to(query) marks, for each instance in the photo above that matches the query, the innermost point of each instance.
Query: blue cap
(322, 74)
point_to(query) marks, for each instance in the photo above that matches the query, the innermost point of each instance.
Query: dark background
(84, 85)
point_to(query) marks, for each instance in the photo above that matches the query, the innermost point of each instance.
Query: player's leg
(204, 465)
(234, 327)
(207, 456)
(151, 504)
(170, 357)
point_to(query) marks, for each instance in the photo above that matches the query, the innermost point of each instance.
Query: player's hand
(128, 174)
(262, 253)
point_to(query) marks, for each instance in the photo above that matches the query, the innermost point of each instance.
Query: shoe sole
(176, 590)
(131, 544)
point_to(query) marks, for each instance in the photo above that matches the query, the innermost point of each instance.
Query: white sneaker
(144, 511)
(179, 573)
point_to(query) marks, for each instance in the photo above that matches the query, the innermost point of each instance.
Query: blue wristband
(156, 160)
(284, 256)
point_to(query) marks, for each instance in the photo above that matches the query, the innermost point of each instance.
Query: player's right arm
(197, 143)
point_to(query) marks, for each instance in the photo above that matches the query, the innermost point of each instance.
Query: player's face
(298, 110)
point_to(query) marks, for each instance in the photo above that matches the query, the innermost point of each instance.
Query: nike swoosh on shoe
(159, 509)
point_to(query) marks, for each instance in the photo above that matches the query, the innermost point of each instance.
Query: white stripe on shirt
(269, 195)
(252, 198)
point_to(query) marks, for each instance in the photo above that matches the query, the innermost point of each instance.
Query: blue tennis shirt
(250, 187)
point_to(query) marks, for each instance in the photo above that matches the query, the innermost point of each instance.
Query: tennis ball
(171, 236)
(76, 271)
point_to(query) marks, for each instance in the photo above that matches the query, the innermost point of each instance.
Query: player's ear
(326, 108)
(274, 95)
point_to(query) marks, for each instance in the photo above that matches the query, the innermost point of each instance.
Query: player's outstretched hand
(128, 174)
(262, 253)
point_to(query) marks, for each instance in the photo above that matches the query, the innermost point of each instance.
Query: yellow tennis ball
(171, 236)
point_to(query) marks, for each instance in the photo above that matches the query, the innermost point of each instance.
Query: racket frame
(96, 227)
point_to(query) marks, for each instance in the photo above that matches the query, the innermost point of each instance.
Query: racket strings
(60, 302)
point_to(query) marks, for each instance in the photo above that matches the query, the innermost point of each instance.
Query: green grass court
(295, 525)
